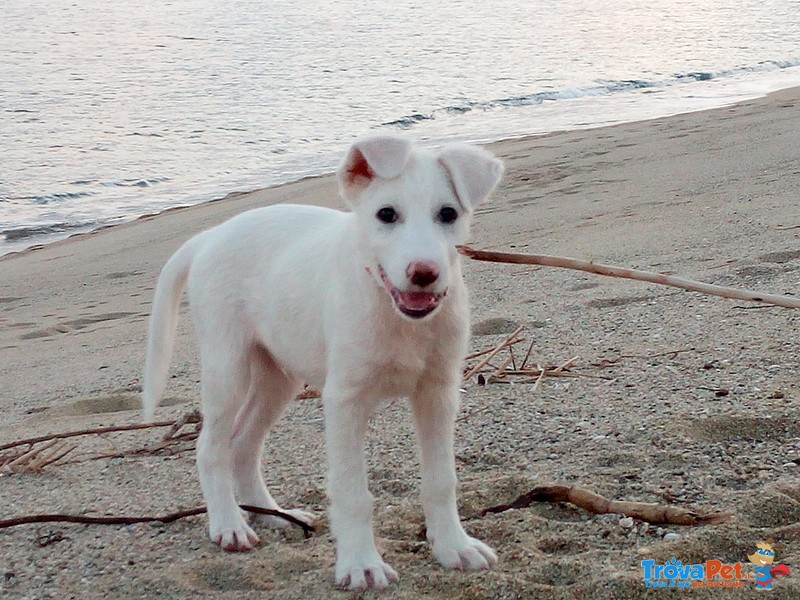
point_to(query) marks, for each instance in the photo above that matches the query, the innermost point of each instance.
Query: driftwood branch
(182, 514)
(94, 431)
(654, 514)
(610, 271)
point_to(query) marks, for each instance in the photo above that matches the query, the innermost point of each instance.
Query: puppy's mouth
(412, 304)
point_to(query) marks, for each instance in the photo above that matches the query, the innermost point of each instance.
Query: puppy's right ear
(383, 156)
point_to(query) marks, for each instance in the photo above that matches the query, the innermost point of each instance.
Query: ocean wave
(16, 234)
(603, 87)
(408, 121)
(134, 182)
(59, 197)
(765, 65)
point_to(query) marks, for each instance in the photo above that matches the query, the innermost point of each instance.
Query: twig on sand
(490, 349)
(554, 373)
(46, 450)
(538, 381)
(654, 514)
(500, 371)
(181, 514)
(511, 354)
(94, 431)
(491, 354)
(34, 459)
(169, 440)
(527, 356)
(193, 416)
(611, 271)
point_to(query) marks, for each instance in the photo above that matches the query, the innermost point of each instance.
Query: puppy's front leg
(358, 564)
(434, 408)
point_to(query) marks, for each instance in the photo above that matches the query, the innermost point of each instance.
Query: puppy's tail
(163, 322)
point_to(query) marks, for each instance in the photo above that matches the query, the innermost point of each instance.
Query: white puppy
(365, 305)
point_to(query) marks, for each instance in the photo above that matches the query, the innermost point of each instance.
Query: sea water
(109, 110)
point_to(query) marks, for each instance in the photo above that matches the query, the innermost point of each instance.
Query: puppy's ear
(382, 156)
(473, 171)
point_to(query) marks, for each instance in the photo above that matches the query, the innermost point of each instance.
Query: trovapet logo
(715, 573)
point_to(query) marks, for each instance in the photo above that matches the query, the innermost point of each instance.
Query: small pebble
(789, 465)
(626, 522)
(671, 537)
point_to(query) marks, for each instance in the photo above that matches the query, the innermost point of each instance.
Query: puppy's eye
(387, 215)
(448, 215)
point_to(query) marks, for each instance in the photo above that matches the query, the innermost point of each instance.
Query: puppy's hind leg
(271, 389)
(225, 379)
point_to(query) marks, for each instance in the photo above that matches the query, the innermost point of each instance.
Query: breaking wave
(602, 88)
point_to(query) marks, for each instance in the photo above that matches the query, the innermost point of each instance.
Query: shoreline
(488, 144)
(673, 397)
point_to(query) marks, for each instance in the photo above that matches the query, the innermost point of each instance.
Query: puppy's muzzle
(412, 303)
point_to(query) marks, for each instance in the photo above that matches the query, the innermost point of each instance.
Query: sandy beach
(676, 397)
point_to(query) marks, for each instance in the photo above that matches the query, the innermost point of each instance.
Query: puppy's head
(413, 207)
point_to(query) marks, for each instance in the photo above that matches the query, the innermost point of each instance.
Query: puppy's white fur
(289, 294)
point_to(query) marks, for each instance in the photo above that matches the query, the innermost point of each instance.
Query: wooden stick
(610, 271)
(59, 518)
(468, 375)
(554, 373)
(527, 356)
(487, 350)
(48, 459)
(69, 434)
(538, 382)
(567, 364)
(500, 372)
(547, 373)
(27, 456)
(595, 503)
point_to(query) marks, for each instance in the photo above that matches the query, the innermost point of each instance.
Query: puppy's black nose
(422, 273)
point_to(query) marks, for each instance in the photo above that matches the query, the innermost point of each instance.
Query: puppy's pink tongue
(418, 300)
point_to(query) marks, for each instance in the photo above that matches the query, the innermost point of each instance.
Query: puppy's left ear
(382, 156)
(473, 171)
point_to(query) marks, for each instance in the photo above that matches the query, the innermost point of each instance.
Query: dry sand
(709, 195)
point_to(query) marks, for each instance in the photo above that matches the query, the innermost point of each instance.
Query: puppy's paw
(355, 574)
(465, 553)
(240, 538)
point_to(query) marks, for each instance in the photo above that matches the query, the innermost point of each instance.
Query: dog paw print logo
(763, 559)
